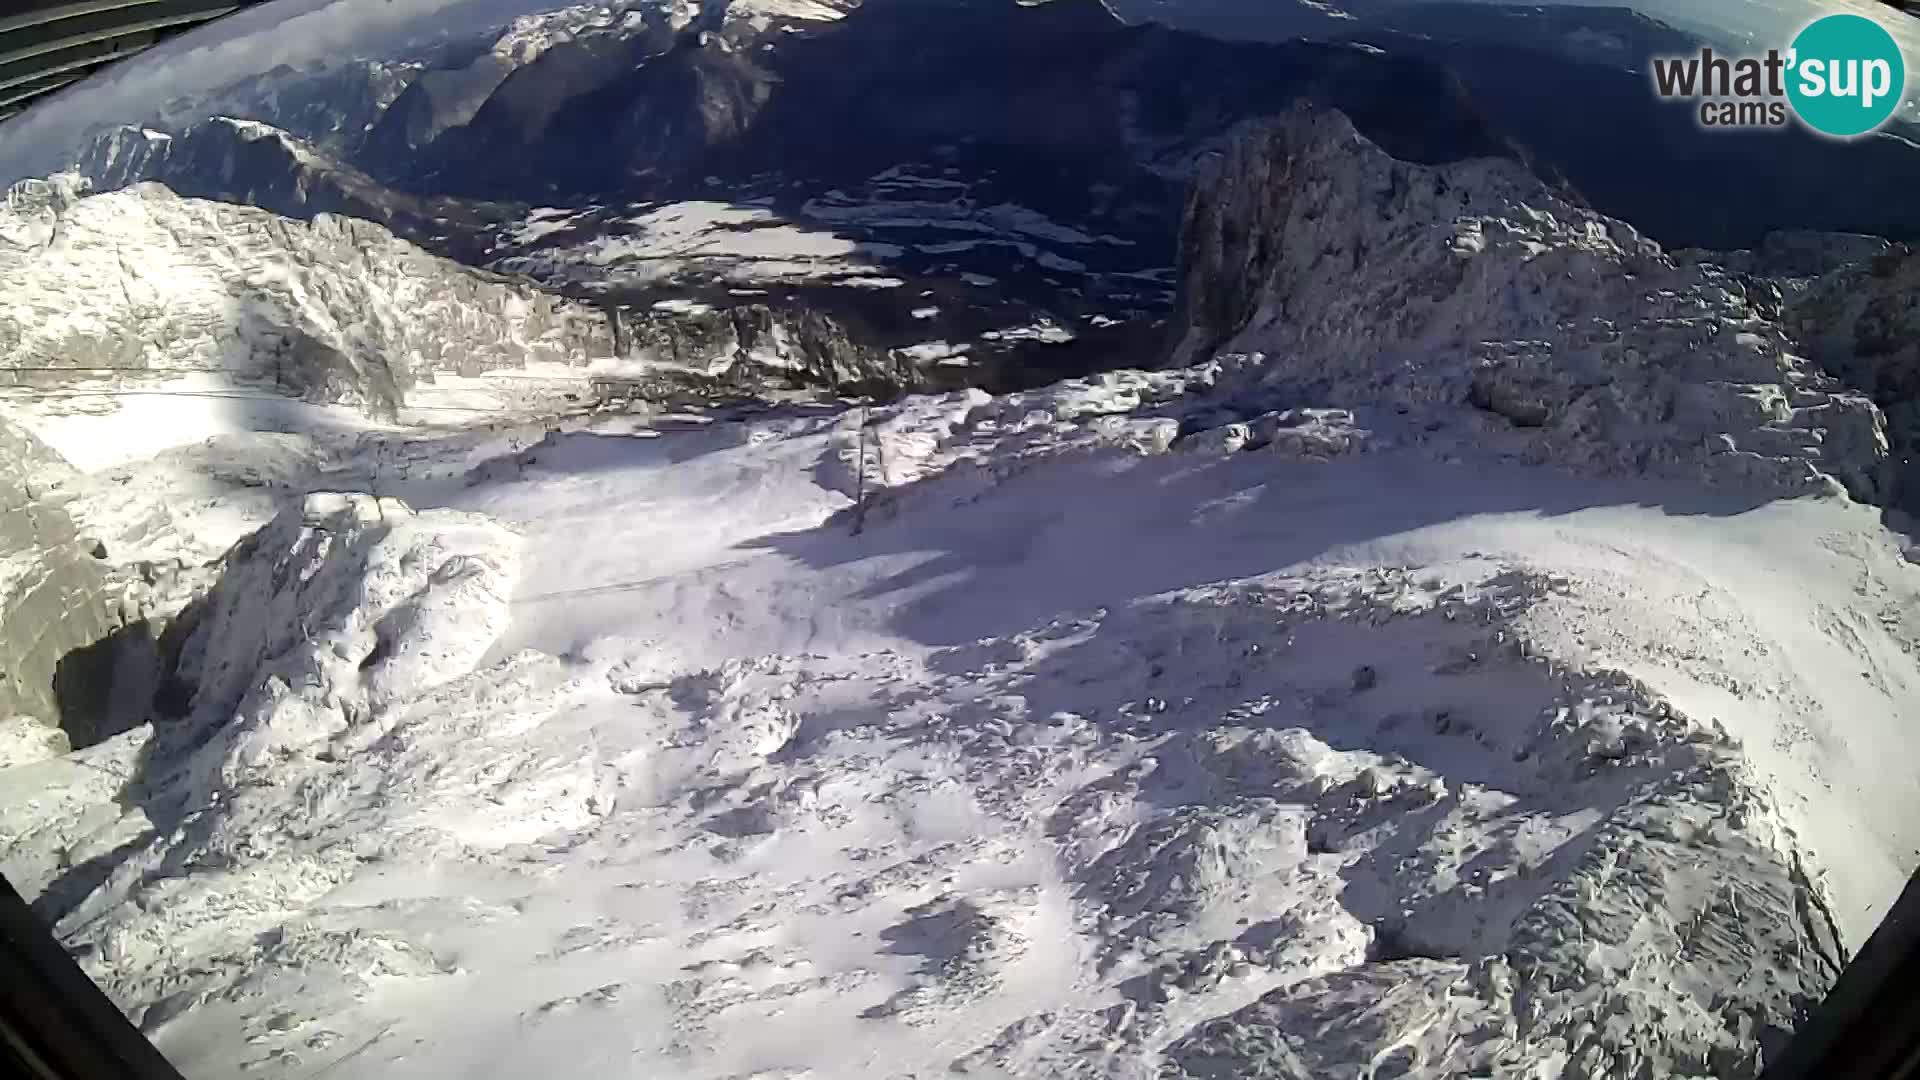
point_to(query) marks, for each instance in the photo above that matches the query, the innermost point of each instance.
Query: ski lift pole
(860, 478)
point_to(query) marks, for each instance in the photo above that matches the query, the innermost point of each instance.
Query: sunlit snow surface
(1079, 758)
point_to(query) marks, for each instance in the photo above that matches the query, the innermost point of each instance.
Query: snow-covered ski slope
(1292, 751)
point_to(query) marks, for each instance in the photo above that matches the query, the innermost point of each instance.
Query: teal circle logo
(1846, 75)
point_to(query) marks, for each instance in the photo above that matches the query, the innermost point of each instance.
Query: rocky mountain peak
(1366, 279)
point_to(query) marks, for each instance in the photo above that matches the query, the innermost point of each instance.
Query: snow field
(1289, 753)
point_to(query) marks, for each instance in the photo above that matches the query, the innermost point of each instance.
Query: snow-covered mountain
(998, 221)
(51, 584)
(1369, 280)
(330, 106)
(526, 37)
(140, 287)
(1297, 594)
(141, 280)
(641, 101)
(446, 96)
(249, 163)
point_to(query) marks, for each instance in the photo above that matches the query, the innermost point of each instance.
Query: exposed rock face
(1862, 322)
(761, 343)
(333, 309)
(140, 282)
(1368, 280)
(56, 664)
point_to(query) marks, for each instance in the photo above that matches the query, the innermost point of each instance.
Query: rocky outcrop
(143, 281)
(64, 659)
(758, 344)
(1862, 322)
(314, 669)
(340, 608)
(1364, 279)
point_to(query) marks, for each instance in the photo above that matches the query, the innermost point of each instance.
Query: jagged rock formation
(1862, 322)
(1364, 279)
(334, 309)
(358, 601)
(66, 656)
